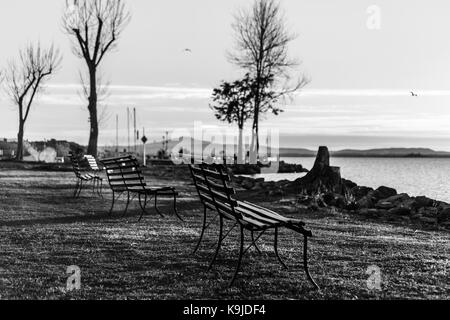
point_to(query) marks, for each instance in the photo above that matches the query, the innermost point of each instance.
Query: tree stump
(322, 177)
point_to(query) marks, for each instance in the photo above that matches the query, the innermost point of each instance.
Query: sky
(361, 73)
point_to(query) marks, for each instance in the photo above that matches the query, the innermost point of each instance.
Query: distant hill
(391, 152)
(387, 153)
(292, 152)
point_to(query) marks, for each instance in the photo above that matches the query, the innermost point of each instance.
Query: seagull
(413, 94)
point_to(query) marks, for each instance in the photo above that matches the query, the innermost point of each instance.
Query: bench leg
(218, 244)
(254, 243)
(128, 204)
(100, 190)
(305, 262)
(113, 202)
(156, 206)
(79, 189)
(241, 254)
(203, 231)
(76, 189)
(175, 206)
(275, 247)
(142, 207)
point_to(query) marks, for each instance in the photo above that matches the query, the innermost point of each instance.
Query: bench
(84, 177)
(125, 177)
(92, 162)
(215, 192)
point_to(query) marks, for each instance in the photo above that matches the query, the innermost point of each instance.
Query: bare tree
(25, 80)
(94, 27)
(262, 39)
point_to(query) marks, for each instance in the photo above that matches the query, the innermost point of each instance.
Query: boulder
(258, 186)
(384, 205)
(248, 184)
(365, 202)
(275, 193)
(444, 216)
(386, 192)
(400, 211)
(359, 192)
(370, 212)
(398, 199)
(422, 202)
(428, 220)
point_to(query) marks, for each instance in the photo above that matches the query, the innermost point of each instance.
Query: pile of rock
(384, 202)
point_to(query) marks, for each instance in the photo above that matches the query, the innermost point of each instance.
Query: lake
(414, 176)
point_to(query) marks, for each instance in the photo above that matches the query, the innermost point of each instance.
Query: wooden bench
(125, 177)
(84, 177)
(213, 187)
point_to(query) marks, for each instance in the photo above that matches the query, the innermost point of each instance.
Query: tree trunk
(253, 150)
(240, 155)
(92, 107)
(322, 177)
(19, 155)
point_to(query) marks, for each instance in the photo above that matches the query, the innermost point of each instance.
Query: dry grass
(43, 231)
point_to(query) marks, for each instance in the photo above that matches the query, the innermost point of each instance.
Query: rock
(444, 216)
(360, 192)
(329, 198)
(405, 219)
(275, 193)
(400, 211)
(428, 220)
(351, 206)
(398, 199)
(258, 186)
(248, 184)
(446, 225)
(369, 200)
(349, 185)
(365, 202)
(384, 205)
(238, 179)
(416, 216)
(284, 167)
(282, 183)
(422, 202)
(386, 192)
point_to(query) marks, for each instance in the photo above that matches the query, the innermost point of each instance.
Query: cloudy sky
(360, 78)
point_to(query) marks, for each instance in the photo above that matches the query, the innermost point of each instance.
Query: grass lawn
(43, 230)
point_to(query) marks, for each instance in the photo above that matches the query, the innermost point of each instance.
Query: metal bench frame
(85, 177)
(125, 177)
(212, 184)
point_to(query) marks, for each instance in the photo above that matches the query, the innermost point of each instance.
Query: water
(414, 176)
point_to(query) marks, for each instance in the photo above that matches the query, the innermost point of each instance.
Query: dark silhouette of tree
(95, 27)
(233, 103)
(25, 80)
(261, 48)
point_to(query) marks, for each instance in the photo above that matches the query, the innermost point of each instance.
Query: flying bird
(413, 94)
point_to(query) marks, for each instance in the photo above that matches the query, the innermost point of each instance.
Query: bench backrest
(212, 183)
(92, 162)
(75, 161)
(124, 173)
